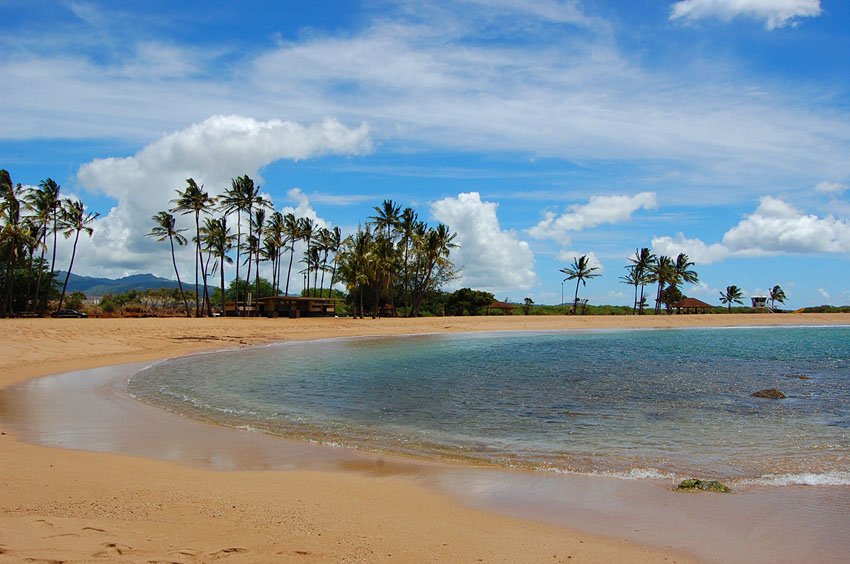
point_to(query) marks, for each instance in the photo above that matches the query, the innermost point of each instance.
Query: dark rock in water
(799, 376)
(704, 485)
(770, 393)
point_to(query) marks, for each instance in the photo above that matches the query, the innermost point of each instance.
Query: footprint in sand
(112, 549)
(225, 552)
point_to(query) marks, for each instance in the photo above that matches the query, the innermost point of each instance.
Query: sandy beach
(71, 505)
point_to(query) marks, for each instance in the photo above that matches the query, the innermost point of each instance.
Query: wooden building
(692, 305)
(503, 308)
(285, 306)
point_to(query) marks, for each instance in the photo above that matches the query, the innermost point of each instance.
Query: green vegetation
(733, 295)
(29, 219)
(704, 485)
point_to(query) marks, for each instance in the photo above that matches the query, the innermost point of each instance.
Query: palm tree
(305, 229)
(777, 294)
(581, 272)
(387, 216)
(292, 231)
(333, 242)
(258, 224)
(193, 200)
(407, 228)
(74, 219)
(218, 240)
(682, 268)
(242, 196)
(732, 295)
(663, 272)
(13, 234)
(166, 227)
(642, 266)
(45, 204)
(273, 246)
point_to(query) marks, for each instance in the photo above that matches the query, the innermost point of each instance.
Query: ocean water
(645, 403)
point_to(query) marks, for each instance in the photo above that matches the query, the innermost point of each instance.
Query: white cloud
(775, 227)
(775, 13)
(212, 152)
(598, 211)
(830, 187)
(823, 293)
(432, 82)
(698, 251)
(489, 257)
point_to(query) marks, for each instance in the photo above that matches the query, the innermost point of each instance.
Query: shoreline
(33, 353)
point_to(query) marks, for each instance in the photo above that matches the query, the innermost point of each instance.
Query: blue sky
(536, 130)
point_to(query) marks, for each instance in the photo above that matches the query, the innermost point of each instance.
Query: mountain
(92, 286)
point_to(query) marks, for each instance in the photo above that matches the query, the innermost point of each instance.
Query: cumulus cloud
(433, 82)
(774, 13)
(212, 152)
(775, 227)
(598, 211)
(697, 250)
(830, 187)
(489, 257)
(823, 293)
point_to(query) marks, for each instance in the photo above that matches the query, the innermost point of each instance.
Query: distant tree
(194, 200)
(526, 305)
(641, 271)
(467, 301)
(166, 228)
(670, 296)
(732, 295)
(581, 272)
(74, 219)
(777, 294)
(76, 299)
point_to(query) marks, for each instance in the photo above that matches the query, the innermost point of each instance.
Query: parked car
(68, 313)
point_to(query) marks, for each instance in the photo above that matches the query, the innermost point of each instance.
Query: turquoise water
(631, 403)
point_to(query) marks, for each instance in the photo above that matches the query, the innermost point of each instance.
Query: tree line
(393, 262)
(31, 219)
(646, 268)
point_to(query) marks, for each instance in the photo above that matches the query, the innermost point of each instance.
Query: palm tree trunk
(238, 256)
(177, 273)
(575, 299)
(257, 275)
(40, 268)
(197, 253)
(221, 271)
(289, 272)
(205, 273)
(68, 274)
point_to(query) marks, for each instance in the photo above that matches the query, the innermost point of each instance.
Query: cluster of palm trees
(395, 259)
(395, 262)
(644, 268)
(271, 235)
(668, 273)
(30, 220)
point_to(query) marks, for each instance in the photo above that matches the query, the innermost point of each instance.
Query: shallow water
(634, 403)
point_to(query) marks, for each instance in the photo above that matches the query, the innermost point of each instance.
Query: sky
(538, 131)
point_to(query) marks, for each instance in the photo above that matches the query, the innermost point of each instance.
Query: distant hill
(93, 287)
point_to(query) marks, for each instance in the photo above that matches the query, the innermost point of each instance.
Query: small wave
(833, 478)
(633, 474)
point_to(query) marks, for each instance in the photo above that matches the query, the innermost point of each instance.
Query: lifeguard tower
(759, 302)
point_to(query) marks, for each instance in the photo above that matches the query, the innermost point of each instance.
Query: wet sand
(185, 491)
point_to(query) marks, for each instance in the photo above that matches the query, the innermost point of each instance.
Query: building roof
(692, 303)
(501, 305)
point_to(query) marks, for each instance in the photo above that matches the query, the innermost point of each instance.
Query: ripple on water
(629, 403)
